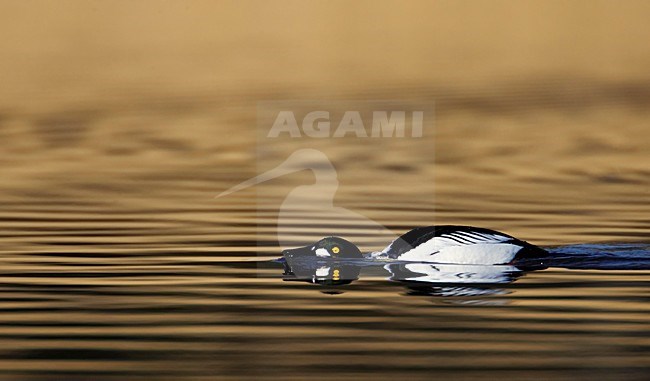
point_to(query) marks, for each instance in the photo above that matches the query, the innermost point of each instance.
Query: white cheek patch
(322, 253)
(322, 271)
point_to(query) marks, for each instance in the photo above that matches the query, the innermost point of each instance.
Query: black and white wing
(455, 244)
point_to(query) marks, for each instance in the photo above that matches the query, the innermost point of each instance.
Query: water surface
(120, 122)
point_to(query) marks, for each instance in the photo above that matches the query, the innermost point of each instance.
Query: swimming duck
(439, 244)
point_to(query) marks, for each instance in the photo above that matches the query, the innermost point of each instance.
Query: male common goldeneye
(439, 244)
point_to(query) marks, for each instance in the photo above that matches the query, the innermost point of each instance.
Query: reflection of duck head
(323, 272)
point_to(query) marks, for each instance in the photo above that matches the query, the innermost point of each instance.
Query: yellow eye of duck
(335, 250)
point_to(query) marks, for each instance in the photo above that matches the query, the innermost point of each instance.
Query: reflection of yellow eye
(336, 275)
(335, 250)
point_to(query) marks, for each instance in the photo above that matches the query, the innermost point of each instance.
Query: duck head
(326, 248)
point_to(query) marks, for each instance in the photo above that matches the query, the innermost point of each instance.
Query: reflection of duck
(323, 272)
(444, 273)
(419, 278)
(452, 280)
(439, 244)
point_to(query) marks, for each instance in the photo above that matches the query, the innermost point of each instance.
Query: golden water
(120, 122)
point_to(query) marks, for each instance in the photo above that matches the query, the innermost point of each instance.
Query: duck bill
(300, 252)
